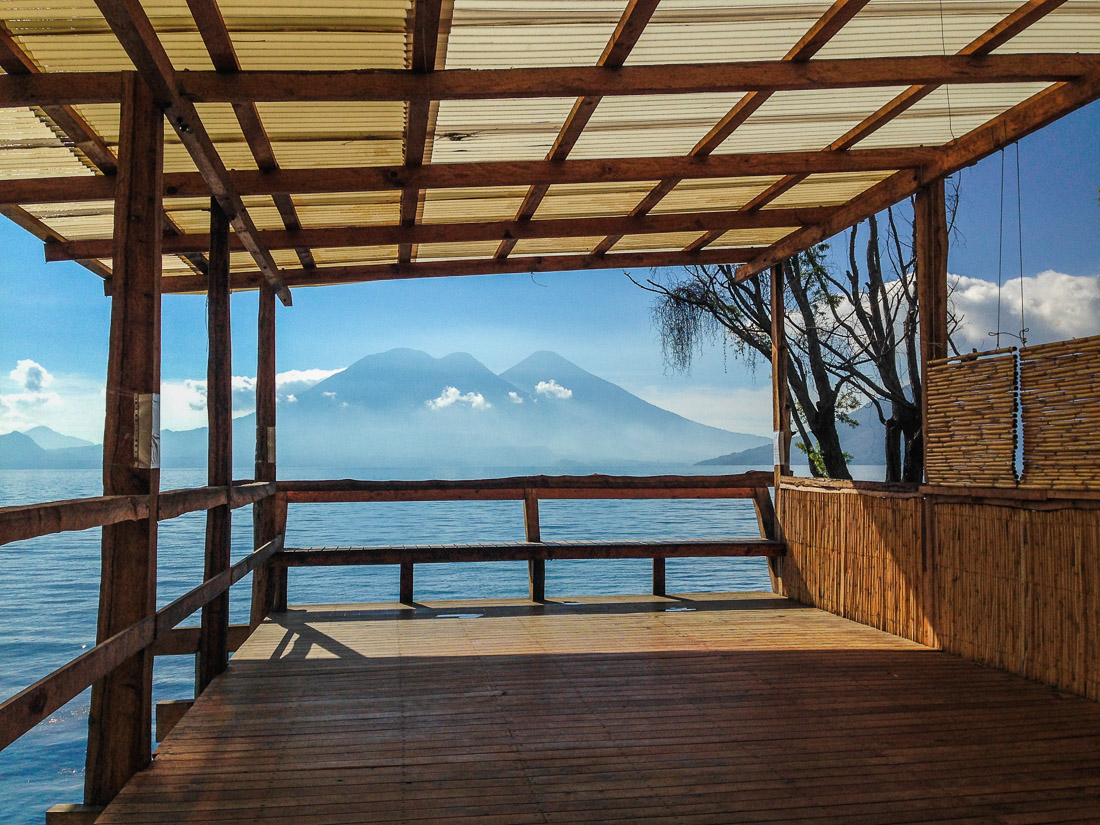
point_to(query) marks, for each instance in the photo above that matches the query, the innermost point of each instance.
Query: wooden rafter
(424, 34)
(480, 174)
(634, 19)
(131, 26)
(1024, 16)
(219, 45)
(466, 267)
(471, 231)
(1034, 113)
(17, 63)
(82, 88)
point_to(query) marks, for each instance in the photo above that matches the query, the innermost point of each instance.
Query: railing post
(213, 654)
(264, 514)
(659, 577)
(536, 568)
(119, 725)
(279, 574)
(406, 584)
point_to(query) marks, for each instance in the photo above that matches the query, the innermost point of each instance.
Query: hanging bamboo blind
(970, 434)
(1060, 405)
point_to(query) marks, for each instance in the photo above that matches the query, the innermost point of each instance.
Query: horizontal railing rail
(30, 706)
(27, 521)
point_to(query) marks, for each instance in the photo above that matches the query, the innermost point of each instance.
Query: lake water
(49, 586)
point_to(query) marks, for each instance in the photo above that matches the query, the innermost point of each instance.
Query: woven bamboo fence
(1008, 584)
(1060, 404)
(857, 555)
(971, 427)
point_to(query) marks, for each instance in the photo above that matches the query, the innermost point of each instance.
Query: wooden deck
(704, 709)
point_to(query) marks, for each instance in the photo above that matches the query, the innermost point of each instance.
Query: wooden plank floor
(706, 709)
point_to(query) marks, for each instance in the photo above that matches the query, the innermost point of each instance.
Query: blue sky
(57, 317)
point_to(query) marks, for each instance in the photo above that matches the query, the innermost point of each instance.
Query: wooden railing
(30, 706)
(535, 551)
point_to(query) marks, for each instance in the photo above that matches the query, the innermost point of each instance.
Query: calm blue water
(49, 586)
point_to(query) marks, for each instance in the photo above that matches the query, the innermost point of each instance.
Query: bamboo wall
(1008, 584)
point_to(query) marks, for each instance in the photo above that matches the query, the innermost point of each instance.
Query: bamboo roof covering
(416, 138)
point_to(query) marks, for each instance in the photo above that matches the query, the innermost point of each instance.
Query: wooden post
(213, 654)
(536, 568)
(265, 516)
(930, 239)
(781, 416)
(659, 577)
(406, 585)
(119, 726)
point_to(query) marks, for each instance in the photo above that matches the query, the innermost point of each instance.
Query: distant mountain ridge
(406, 408)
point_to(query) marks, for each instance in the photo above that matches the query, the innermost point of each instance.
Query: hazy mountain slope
(49, 439)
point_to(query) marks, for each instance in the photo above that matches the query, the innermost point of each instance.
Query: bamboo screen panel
(971, 427)
(1060, 402)
(856, 555)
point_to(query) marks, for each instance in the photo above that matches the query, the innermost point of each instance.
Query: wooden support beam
(483, 173)
(219, 45)
(1034, 113)
(346, 236)
(930, 240)
(406, 583)
(265, 513)
(121, 707)
(483, 266)
(84, 88)
(184, 641)
(781, 415)
(131, 26)
(73, 814)
(213, 655)
(631, 24)
(536, 568)
(169, 713)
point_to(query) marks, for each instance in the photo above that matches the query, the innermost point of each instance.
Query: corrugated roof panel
(498, 203)
(77, 221)
(1072, 27)
(752, 237)
(718, 194)
(493, 34)
(897, 27)
(950, 112)
(555, 246)
(319, 50)
(806, 120)
(29, 148)
(829, 189)
(348, 209)
(642, 125)
(705, 31)
(498, 129)
(578, 200)
(456, 250)
(352, 255)
(316, 154)
(658, 242)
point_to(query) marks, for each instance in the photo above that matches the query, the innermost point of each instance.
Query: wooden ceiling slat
(1026, 15)
(480, 174)
(424, 24)
(633, 22)
(81, 88)
(1035, 113)
(130, 25)
(484, 266)
(350, 236)
(808, 45)
(219, 44)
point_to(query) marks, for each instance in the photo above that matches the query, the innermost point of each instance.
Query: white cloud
(1056, 307)
(515, 397)
(32, 376)
(742, 410)
(292, 399)
(552, 389)
(295, 381)
(329, 394)
(451, 396)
